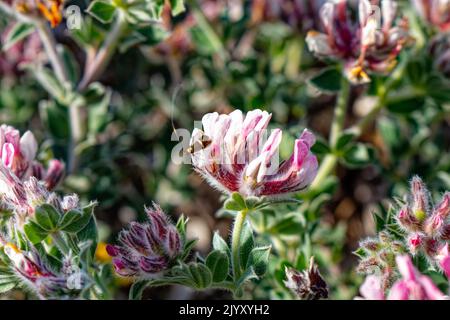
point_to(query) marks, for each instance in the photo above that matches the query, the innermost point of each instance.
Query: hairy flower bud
(420, 199)
(146, 249)
(231, 152)
(307, 284)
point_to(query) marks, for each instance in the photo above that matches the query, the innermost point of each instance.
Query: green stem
(60, 243)
(330, 161)
(50, 46)
(105, 53)
(236, 243)
(339, 112)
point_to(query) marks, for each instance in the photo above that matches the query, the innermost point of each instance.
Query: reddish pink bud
(415, 242)
(146, 249)
(55, 174)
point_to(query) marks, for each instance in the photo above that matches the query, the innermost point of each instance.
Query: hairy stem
(60, 243)
(236, 243)
(50, 46)
(330, 161)
(105, 53)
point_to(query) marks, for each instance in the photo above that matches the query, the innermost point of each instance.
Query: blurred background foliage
(216, 56)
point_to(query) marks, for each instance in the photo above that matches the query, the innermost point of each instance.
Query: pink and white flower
(18, 153)
(369, 44)
(232, 153)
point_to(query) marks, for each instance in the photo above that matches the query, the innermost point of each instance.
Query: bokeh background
(222, 55)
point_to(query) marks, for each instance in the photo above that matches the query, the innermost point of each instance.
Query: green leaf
(34, 232)
(358, 155)
(153, 34)
(320, 147)
(77, 225)
(204, 36)
(200, 275)
(16, 34)
(50, 83)
(259, 260)
(137, 289)
(98, 115)
(287, 225)
(188, 246)
(218, 263)
(68, 218)
(89, 233)
(177, 6)
(236, 196)
(55, 119)
(102, 11)
(248, 275)
(328, 80)
(181, 226)
(344, 139)
(404, 106)
(220, 244)
(231, 204)
(247, 244)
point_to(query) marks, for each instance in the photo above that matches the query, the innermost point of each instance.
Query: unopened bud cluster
(146, 249)
(424, 230)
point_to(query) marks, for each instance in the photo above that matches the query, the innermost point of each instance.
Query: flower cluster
(50, 10)
(371, 44)
(424, 229)
(308, 284)
(232, 154)
(434, 12)
(43, 281)
(22, 197)
(146, 249)
(412, 285)
(18, 155)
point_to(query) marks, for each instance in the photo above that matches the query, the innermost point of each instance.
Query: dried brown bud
(307, 284)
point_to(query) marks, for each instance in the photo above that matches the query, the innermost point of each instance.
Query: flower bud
(415, 242)
(146, 249)
(55, 173)
(307, 284)
(420, 199)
